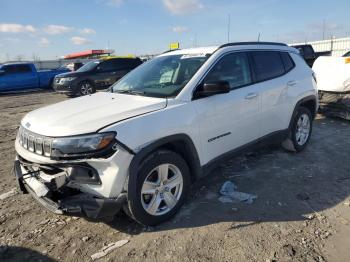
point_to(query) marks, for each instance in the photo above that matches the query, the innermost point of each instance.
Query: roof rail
(170, 50)
(252, 43)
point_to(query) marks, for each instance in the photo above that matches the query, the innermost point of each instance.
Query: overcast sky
(53, 28)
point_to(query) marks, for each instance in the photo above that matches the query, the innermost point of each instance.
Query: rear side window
(106, 66)
(287, 61)
(267, 65)
(126, 63)
(23, 69)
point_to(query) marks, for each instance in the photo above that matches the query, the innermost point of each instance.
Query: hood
(88, 114)
(73, 74)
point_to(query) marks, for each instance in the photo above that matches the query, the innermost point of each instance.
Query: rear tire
(300, 131)
(162, 186)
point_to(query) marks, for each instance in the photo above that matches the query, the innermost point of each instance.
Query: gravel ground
(302, 212)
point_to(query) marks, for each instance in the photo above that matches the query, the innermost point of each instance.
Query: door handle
(291, 83)
(251, 96)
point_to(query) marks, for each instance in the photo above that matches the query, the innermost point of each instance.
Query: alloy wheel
(302, 129)
(162, 189)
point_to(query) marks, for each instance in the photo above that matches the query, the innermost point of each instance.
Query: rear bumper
(77, 204)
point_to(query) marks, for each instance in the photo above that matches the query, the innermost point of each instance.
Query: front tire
(86, 88)
(162, 186)
(300, 131)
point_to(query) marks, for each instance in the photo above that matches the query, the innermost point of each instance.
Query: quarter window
(287, 61)
(267, 65)
(233, 68)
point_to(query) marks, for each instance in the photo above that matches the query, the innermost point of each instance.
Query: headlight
(86, 145)
(67, 79)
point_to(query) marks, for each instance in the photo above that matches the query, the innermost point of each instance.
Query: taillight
(347, 60)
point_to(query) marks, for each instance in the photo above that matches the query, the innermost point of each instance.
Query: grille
(35, 143)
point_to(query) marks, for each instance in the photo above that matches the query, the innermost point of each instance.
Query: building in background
(90, 54)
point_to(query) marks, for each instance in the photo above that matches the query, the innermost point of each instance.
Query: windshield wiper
(131, 92)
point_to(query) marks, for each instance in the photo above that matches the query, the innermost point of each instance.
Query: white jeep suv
(161, 127)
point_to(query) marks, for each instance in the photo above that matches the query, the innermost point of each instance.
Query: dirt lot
(302, 212)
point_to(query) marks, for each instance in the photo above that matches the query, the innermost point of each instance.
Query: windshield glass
(163, 76)
(88, 67)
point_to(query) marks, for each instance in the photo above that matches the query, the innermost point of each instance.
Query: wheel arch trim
(193, 161)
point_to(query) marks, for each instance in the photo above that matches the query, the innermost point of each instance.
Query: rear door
(271, 74)
(228, 121)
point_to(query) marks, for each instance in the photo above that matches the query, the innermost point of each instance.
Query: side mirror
(2, 72)
(212, 88)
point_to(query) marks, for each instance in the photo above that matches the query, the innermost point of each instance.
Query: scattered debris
(12, 192)
(289, 250)
(347, 203)
(230, 195)
(108, 249)
(311, 216)
(225, 199)
(85, 239)
(44, 222)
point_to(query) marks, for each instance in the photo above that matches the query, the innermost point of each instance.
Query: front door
(228, 121)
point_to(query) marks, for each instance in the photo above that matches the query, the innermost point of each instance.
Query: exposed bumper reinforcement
(81, 204)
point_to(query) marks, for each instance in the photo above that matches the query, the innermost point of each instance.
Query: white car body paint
(139, 121)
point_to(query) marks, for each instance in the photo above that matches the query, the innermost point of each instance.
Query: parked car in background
(24, 76)
(309, 54)
(333, 81)
(99, 74)
(161, 127)
(347, 54)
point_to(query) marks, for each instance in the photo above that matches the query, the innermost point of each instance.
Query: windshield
(88, 66)
(163, 76)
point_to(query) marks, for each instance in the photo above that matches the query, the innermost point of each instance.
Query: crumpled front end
(50, 186)
(92, 186)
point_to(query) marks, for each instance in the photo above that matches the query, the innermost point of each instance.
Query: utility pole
(259, 37)
(228, 27)
(323, 28)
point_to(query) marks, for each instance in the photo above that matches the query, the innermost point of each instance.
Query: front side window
(267, 65)
(233, 68)
(164, 76)
(10, 69)
(89, 66)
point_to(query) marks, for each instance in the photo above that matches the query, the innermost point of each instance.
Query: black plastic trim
(273, 138)
(194, 164)
(252, 43)
(303, 100)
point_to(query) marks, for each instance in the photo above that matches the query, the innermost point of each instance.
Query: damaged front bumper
(335, 104)
(52, 192)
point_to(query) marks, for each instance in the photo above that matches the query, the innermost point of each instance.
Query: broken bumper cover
(335, 104)
(80, 204)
